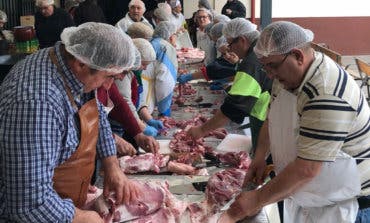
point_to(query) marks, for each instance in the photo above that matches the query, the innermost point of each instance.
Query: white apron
(330, 196)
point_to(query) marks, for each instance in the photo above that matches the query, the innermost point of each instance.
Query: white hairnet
(100, 46)
(216, 30)
(145, 48)
(281, 37)
(3, 16)
(174, 3)
(140, 30)
(221, 42)
(137, 2)
(164, 30)
(240, 27)
(40, 3)
(221, 18)
(206, 11)
(137, 62)
(204, 4)
(165, 6)
(162, 14)
(208, 27)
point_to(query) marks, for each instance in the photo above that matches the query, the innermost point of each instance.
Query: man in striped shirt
(42, 127)
(317, 132)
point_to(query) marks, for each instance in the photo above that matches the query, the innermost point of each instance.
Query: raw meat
(143, 163)
(239, 160)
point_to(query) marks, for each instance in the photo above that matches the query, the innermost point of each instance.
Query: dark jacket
(48, 29)
(237, 8)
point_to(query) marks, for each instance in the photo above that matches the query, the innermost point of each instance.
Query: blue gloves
(184, 78)
(158, 124)
(150, 131)
(166, 113)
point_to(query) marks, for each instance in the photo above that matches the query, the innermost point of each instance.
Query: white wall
(296, 8)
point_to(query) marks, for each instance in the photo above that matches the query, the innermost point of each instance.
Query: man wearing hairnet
(136, 9)
(249, 95)
(50, 22)
(159, 78)
(162, 13)
(52, 127)
(317, 132)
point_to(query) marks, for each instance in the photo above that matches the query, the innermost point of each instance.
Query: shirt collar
(73, 83)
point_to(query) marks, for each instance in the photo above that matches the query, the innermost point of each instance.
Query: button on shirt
(39, 131)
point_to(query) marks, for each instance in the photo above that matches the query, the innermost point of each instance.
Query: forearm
(293, 177)
(217, 121)
(263, 143)
(144, 114)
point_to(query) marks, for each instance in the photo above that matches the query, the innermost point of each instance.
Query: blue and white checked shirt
(38, 131)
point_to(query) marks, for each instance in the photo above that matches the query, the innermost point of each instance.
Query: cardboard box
(27, 20)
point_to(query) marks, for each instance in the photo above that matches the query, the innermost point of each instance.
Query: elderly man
(249, 94)
(50, 22)
(52, 127)
(135, 14)
(317, 132)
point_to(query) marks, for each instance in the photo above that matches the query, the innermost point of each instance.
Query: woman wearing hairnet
(162, 13)
(60, 127)
(159, 78)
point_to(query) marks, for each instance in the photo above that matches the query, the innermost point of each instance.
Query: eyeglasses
(202, 17)
(274, 66)
(235, 40)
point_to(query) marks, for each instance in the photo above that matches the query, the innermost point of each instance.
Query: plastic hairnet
(281, 37)
(174, 3)
(165, 6)
(221, 18)
(162, 14)
(221, 42)
(240, 27)
(164, 30)
(39, 3)
(204, 4)
(137, 2)
(3, 16)
(140, 30)
(145, 48)
(137, 62)
(216, 30)
(100, 46)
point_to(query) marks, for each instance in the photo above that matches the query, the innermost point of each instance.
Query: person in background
(159, 78)
(88, 11)
(234, 9)
(130, 87)
(162, 13)
(250, 93)
(176, 16)
(47, 155)
(221, 18)
(140, 30)
(135, 14)
(6, 36)
(204, 19)
(50, 22)
(317, 132)
(70, 6)
(220, 69)
(204, 4)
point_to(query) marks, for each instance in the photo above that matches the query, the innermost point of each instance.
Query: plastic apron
(72, 178)
(147, 97)
(207, 45)
(330, 196)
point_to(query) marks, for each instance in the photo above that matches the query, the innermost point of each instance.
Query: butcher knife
(200, 105)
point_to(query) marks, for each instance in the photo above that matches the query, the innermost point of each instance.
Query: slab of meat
(181, 143)
(239, 160)
(143, 163)
(150, 200)
(185, 169)
(222, 186)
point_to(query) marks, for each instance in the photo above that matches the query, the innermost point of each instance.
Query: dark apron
(72, 178)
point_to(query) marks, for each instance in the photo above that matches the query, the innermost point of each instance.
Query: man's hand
(255, 172)
(231, 57)
(246, 205)
(124, 147)
(86, 216)
(226, 218)
(148, 143)
(116, 181)
(150, 131)
(195, 132)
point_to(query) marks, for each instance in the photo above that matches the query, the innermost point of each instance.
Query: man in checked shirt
(52, 127)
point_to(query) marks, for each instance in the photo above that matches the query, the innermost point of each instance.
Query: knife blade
(200, 105)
